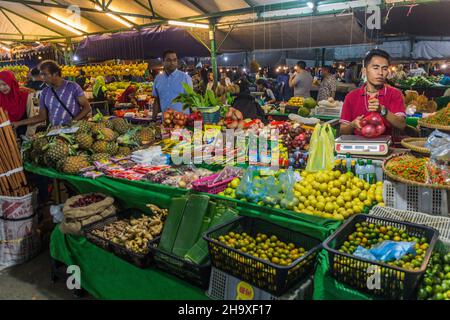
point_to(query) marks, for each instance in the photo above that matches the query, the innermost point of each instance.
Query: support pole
(323, 56)
(212, 38)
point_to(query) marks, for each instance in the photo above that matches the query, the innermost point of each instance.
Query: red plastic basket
(205, 184)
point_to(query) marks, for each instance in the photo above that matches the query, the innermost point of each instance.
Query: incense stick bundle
(13, 182)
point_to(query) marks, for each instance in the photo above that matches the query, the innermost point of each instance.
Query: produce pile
(421, 102)
(296, 101)
(20, 71)
(95, 140)
(368, 235)
(69, 71)
(264, 247)
(294, 136)
(418, 81)
(88, 200)
(436, 282)
(134, 233)
(408, 167)
(115, 89)
(442, 117)
(133, 69)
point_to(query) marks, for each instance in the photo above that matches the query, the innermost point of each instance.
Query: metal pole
(212, 38)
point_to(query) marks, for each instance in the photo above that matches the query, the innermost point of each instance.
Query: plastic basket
(204, 184)
(195, 274)
(139, 260)
(415, 198)
(441, 224)
(223, 286)
(394, 282)
(263, 274)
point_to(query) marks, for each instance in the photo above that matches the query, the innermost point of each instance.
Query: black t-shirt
(249, 108)
(35, 85)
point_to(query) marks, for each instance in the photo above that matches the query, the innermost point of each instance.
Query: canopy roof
(255, 24)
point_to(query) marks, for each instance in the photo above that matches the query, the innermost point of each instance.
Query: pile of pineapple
(95, 140)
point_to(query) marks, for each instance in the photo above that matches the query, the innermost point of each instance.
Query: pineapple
(58, 150)
(100, 156)
(96, 127)
(74, 164)
(106, 134)
(120, 125)
(145, 136)
(84, 140)
(124, 151)
(83, 126)
(100, 146)
(112, 148)
(38, 144)
(108, 124)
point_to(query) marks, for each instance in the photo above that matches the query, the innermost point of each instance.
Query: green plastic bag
(321, 151)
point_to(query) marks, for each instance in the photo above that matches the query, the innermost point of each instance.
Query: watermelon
(309, 103)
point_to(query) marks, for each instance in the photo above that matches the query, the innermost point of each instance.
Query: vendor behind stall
(263, 86)
(129, 95)
(169, 85)
(248, 106)
(374, 96)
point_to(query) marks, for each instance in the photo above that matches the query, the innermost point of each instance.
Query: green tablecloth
(108, 277)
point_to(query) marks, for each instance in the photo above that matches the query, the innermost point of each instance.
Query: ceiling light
(75, 58)
(115, 17)
(310, 4)
(444, 66)
(5, 48)
(62, 25)
(188, 24)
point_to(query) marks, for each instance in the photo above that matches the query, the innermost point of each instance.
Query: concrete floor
(31, 281)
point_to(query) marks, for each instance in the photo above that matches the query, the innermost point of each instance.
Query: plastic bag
(437, 169)
(321, 152)
(386, 251)
(372, 125)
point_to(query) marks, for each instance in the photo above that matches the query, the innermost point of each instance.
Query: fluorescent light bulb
(62, 25)
(115, 17)
(188, 24)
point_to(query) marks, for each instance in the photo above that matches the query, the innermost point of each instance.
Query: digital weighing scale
(357, 145)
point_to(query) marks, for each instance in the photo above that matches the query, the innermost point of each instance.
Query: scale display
(363, 146)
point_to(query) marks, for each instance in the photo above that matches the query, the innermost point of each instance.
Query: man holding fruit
(374, 96)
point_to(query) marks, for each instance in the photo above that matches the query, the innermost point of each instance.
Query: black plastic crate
(263, 274)
(195, 274)
(139, 260)
(395, 282)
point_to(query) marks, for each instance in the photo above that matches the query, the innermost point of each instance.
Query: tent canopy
(254, 24)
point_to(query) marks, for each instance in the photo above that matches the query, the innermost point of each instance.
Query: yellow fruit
(329, 207)
(363, 195)
(366, 186)
(340, 201)
(381, 204)
(301, 206)
(335, 192)
(348, 205)
(320, 206)
(339, 217)
(379, 198)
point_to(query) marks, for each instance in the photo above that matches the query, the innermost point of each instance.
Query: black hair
(167, 52)
(328, 68)
(262, 82)
(376, 53)
(301, 64)
(35, 72)
(51, 66)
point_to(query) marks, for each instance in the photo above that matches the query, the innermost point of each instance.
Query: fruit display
(115, 89)
(372, 125)
(134, 69)
(264, 247)
(420, 102)
(134, 233)
(442, 117)
(309, 103)
(70, 71)
(174, 119)
(368, 235)
(330, 194)
(303, 111)
(436, 282)
(88, 200)
(95, 140)
(233, 119)
(296, 102)
(417, 81)
(294, 136)
(20, 71)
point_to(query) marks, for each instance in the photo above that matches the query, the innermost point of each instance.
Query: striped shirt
(68, 93)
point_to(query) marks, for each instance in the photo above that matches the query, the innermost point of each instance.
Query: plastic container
(206, 185)
(139, 260)
(195, 274)
(223, 286)
(370, 172)
(265, 275)
(394, 282)
(414, 198)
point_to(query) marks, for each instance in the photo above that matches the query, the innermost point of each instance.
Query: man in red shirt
(374, 96)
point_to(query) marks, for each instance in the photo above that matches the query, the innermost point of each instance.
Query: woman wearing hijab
(16, 101)
(129, 96)
(99, 89)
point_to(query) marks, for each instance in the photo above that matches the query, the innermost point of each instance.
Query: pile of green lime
(368, 235)
(436, 282)
(268, 248)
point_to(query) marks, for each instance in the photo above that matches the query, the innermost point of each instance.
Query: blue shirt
(445, 81)
(168, 86)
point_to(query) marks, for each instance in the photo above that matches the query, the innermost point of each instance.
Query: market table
(108, 277)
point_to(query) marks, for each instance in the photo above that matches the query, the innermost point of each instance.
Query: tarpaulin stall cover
(144, 44)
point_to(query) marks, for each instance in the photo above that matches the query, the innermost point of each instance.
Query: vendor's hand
(356, 124)
(14, 125)
(374, 105)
